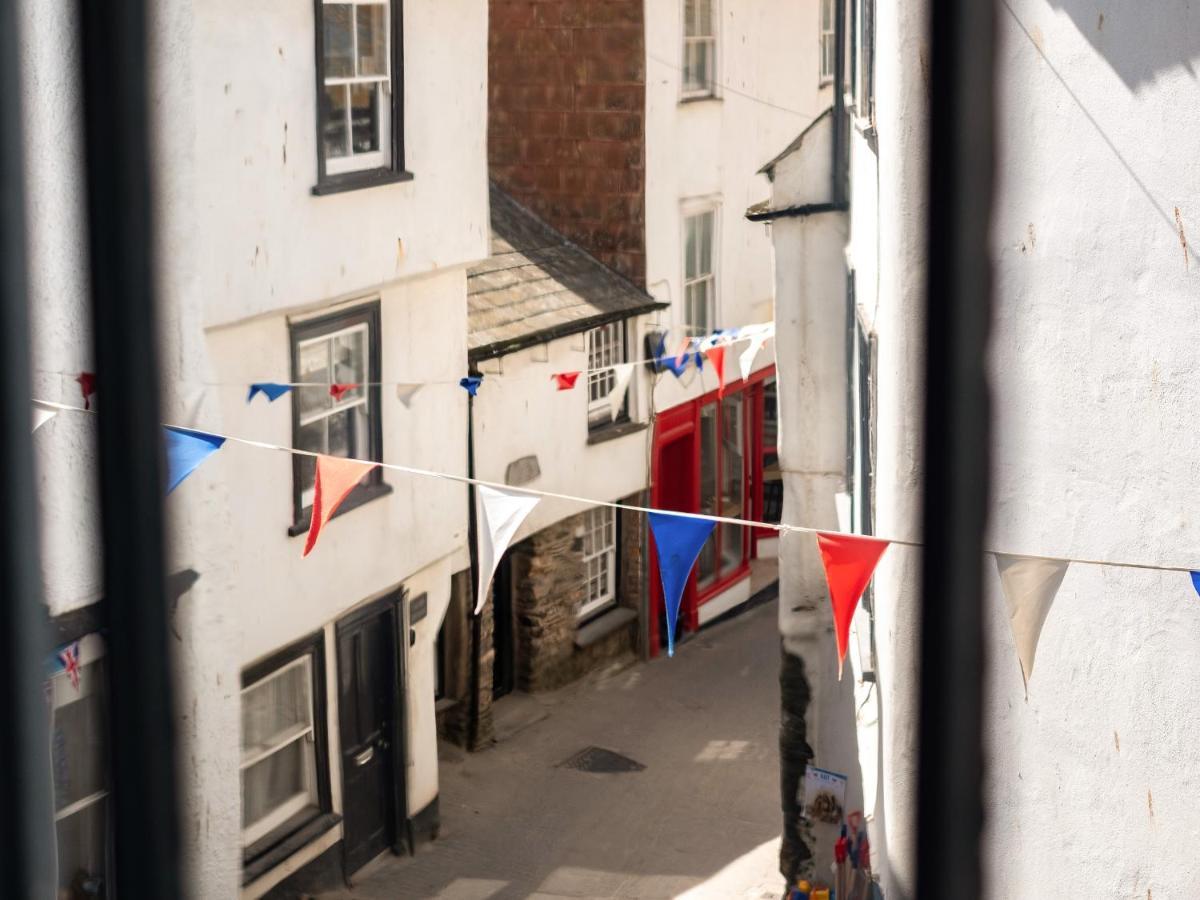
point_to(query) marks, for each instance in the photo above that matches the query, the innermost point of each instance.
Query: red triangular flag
(336, 478)
(849, 562)
(716, 356)
(337, 391)
(565, 380)
(87, 385)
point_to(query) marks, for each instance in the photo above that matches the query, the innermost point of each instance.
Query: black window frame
(374, 486)
(392, 173)
(272, 849)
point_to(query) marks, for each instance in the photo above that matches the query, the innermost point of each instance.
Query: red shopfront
(710, 456)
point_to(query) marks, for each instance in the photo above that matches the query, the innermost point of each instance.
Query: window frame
(617, 357)
(710, 40)
(723, 574)
(694, 210)
(312, 646)
(393, 170)
(303, 331)
(589, 608)
(825, 60)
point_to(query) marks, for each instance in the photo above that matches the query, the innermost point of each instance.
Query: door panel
(367, 695)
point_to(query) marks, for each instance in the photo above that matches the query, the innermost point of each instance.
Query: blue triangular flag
(1196, 581)
(667, 360)
(678, 540)
(185, 451)
(271, 389)
(471, 383)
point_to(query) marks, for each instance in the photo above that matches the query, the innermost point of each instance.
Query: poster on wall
(824, 805)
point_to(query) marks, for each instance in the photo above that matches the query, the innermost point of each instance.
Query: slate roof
(537, 286)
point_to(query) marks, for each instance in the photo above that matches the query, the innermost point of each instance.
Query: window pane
(372, 39)
(273, 709)
(273, 781)
(705, 242)
(704, 17)
(334, 131)
(702, 73)
(313, 366)
(826, 15)
(690, 254)
(81, 851)
(349, 353)
(339, 41)
(706, 567)
(733, 481)
(79, 740)
(364, 116)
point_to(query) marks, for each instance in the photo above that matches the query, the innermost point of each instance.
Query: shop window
(338, 349)
(772, 477)
(79, 755)
(723, 486)
(282, 765)
(605, 347)
(600, 561)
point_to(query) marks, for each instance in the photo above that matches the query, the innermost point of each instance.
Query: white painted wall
(712, 148)
(1094, 383)
(554, 427)
(243, 245)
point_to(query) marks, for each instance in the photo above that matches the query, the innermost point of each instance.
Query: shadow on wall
(1139, 40)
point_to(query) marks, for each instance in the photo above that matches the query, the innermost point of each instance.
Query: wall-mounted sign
(418, 608)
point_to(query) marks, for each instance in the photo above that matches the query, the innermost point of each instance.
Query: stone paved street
(701, 820)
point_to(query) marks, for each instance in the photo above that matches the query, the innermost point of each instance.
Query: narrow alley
(700, 820)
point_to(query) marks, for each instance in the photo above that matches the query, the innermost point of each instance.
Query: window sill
(603, 625)
(258, 866)
(360, 496)
(614, 430)
(700, 98)
(357, 181)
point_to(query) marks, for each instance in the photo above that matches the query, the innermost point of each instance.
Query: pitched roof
(769, 168)
(537, 286)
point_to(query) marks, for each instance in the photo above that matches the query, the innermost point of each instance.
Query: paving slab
(700, 820)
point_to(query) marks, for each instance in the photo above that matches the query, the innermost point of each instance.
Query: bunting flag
(678, 540)
(681, 354)
(336, 478)
(269, 389)
(498, 515)
(185, 451)
(565, 381)
(1030, 585)
(87, 387)
(616, 397)
(1196, 581)
(675, 364)
(68, 657)
(338, 391)
(42, 415)
(746, 360)
(471, 384)
(849, 561)
(716, 356)
(405, 393)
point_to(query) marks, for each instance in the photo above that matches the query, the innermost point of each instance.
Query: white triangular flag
(621, 376)
(498, 515)
(746, 360)
(1030, 585)
(405, 392)
(42, 415)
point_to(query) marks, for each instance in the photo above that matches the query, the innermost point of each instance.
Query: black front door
(368, 693)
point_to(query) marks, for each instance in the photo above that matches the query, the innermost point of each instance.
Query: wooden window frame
(598, 379)
(393, 171)
(694, 209)
(375, 486)
(711, 41)
(587, 609)
(312, 645)
(826, 40)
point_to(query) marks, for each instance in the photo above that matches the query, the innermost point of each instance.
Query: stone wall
(548, 583)
(454, 713)
(566, 120)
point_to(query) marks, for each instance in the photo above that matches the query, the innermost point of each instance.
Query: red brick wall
(566, 120)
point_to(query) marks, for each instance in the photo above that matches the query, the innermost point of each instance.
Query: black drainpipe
(840, 135)
(476, 621)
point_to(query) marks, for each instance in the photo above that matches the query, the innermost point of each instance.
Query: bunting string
(781, 527)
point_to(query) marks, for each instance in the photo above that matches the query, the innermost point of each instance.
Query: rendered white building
(1093, 385)
(313, 226)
